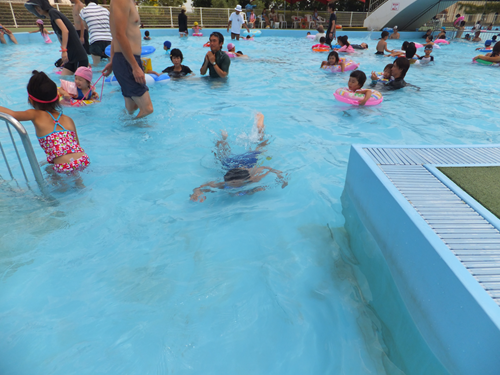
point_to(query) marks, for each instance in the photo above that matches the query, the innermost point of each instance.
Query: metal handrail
(28, 148)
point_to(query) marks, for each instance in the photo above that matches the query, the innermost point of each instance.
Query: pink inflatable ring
(345, 96)
(441, 41)
(349, 65)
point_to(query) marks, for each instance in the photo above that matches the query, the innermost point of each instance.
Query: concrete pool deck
(442, 247)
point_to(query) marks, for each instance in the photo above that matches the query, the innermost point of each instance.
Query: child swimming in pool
(242, 170)
(344, 45)
(43, 31)
(81, 89)
(196, 28)
(333, 59)
(321, 44)
(386, 75)
(382, 44)
(56, 132)
(356, 81)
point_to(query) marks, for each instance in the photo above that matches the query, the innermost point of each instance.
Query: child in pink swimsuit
(344, 45)
(56, 132)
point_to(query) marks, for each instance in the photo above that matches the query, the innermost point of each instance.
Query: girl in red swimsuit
(56, 132)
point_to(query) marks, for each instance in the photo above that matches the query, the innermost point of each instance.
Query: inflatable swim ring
(458, 20)
(484, 62)
(486, 50)
(380, 76)
(345, 96)
(310, 36)
(388, 29)
(320, 48)
(349, 65)
(145, 51)
(441, 41)
(418, 45)
(77, 103)
(252, 33)
(231, 55)
(207, 44)
(151, 79)
(197, 34)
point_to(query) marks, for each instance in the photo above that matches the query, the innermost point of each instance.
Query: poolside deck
(441, 246)
(469, 236)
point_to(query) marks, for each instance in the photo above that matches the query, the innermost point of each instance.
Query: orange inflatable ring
(338, 27)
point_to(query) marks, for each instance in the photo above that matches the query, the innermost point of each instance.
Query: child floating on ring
(356, 81)
(385, 76)
(42, 30)
(355, 94)
(196, 29)
(242, 170)
(81, 89)
(333, 60)
(321, 47)
(56, 132)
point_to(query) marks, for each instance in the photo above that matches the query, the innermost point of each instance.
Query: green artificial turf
(481, 183)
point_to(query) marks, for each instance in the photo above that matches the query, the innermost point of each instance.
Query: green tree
(491, 6)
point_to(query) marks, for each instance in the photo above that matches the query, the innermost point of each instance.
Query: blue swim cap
(167, 44)
(487, 43)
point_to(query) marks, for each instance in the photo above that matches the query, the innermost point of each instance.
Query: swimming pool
(126, 275)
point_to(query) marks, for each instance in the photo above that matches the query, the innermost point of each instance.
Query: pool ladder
(23, 134)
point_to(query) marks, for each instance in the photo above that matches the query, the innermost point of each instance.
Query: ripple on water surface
(125, 275)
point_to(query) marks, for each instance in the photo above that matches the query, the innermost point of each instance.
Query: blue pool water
(126, 275)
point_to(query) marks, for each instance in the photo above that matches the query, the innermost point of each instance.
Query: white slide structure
(406, 14)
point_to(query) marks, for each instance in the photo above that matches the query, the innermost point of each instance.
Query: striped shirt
(97, 19)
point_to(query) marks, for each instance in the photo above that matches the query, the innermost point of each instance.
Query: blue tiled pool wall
(449, 307)
(25, 37)
(405, 345)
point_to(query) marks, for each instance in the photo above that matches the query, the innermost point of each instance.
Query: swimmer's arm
(64, 32)
(374, 77)
(204, 67)
(323, 63)
(64, 93)
(256, 177)
(386, 49)
(488, 58)
(342, 66)
(198, 192)
(152, 72)
(28, 115)
(108, 69)
(367, 93)
(82, 31)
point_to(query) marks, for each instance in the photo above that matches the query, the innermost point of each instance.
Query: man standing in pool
(242, 170)
(96, 19)
(77, 7)
(216, 61)
(330, 33)
(126, 57)
(235, 22)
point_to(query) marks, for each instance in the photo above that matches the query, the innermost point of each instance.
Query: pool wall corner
(458, 320)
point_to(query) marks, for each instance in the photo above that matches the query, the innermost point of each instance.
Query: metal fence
(14, 14)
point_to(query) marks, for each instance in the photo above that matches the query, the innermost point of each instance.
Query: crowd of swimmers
(57, 132)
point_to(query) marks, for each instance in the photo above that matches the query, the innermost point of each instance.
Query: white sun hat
(238, 8)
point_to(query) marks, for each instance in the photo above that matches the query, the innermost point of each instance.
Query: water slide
(406, 14)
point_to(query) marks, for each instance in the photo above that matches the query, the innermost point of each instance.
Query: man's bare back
(77, 7)
(124, 13)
